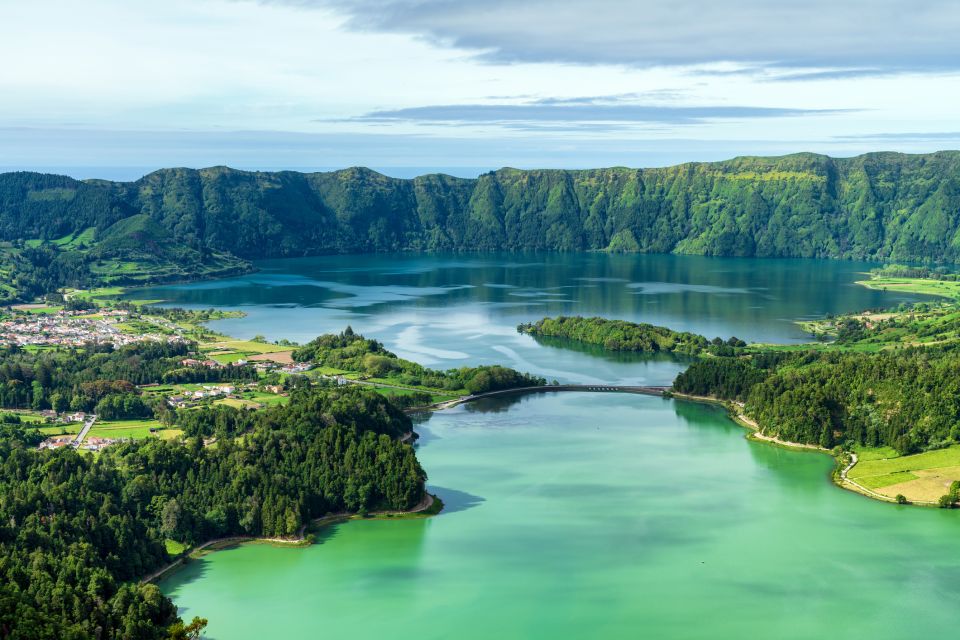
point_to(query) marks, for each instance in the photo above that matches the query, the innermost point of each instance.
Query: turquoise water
(574, 515)
(600, 516)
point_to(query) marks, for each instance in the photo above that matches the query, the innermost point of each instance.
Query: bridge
(589, 388)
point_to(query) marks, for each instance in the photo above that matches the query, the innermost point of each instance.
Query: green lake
(577, 515)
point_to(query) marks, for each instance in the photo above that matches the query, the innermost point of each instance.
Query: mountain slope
(882, 206)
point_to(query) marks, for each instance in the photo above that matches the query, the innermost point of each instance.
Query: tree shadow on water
(454, 501)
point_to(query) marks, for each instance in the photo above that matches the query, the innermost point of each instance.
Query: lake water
(448, 311)
(574, 515)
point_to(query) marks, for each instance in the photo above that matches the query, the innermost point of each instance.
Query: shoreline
(422, 510)
(844, 462)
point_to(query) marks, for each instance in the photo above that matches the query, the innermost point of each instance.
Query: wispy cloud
(817, 34)
(904, 136)
(600, 112)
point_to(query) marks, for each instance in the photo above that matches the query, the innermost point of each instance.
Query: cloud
(579, 113)
(904, 136)
(885, 35)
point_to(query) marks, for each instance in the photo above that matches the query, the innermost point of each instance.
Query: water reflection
(449, 311)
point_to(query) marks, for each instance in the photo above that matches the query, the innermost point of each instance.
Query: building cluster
(93, 443)
(73, 329)
(193, 362)
(90, 443)
(58, 442)
(208, 391)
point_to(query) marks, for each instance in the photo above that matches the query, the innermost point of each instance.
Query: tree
(170, 519)
(191, 631)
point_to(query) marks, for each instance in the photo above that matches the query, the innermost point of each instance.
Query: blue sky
(111, 87)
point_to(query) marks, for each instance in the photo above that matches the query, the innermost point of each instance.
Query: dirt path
(772, 439)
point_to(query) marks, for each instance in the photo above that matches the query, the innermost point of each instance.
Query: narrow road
(83, 432)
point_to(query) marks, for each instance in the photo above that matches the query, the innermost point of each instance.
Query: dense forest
(621, 335)
(349, 351)
(179, 223)
(77, 531)
(907, 398)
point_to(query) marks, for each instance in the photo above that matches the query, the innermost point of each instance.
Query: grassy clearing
(886, 480)
(174, 548)
(78, 241)
(920, 477)
(97, 295)
(140, 327)
(243, 346)
(238, 403)
(124, 429)
(266, 399)
(943, 288)
(227, 358)
(60, 429)
(434, 397)
(39, 309)
(25, 416)
(448, 392)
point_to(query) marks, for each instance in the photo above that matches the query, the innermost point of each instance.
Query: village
(42, 326)
(65, 328)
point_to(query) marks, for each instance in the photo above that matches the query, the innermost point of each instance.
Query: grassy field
(242, 346)
(228, 357)
(174, 548)
(139, 327)
(124, 429)
(922, 477)
(58, 429)
(227, 351)
(945, 289)
(434, 397)
(264, 398)
(25, 416)
(38, 309)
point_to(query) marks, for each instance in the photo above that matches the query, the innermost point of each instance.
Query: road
(83, 432)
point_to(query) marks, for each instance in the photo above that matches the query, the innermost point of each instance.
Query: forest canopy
(621, 335)
(77, 531)
(349, 351)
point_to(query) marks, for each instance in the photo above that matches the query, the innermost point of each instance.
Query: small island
(620, 335)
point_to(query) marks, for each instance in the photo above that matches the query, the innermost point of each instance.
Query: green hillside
(881, 206)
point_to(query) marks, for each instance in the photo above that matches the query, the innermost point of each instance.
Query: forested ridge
(876, 206)
(906, 398)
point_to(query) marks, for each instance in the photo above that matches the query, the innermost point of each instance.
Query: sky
(116, 88)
